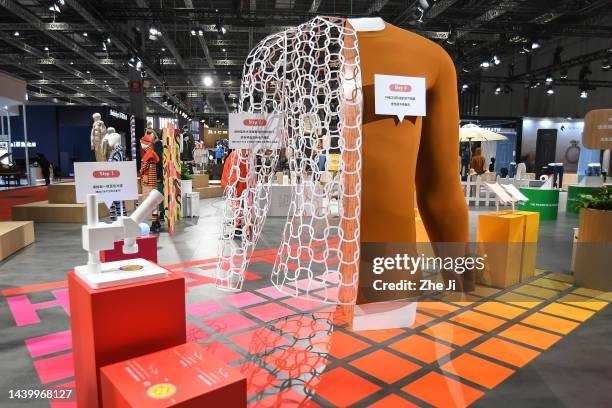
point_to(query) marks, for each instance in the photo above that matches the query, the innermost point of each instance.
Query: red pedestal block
(115, 324)
(147, 249)
(183, 376)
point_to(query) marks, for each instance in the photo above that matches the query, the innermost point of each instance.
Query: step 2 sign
(111, 181)
(255, 131)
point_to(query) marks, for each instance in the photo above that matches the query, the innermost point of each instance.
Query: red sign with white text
(185, 375)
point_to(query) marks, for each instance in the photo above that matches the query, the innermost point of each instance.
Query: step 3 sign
(111, 181)
(255, 131)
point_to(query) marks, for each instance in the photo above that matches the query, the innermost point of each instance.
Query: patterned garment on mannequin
(97, 135)
(117, 209)
(148, 171)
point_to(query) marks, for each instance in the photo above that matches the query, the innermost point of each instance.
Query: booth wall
(61, 133)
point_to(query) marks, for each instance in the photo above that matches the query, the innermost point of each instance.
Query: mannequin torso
(418, 154)
(98, 131)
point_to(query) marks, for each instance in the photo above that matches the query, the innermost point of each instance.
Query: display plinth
(15, 235)
(592, 266)
(384, 315)
(530, 243)
(147, 249)
(183, 376)
(546, 202)
(115, 324)
(500, 238)
(119, 273)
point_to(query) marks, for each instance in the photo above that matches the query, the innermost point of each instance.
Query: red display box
(183, 376)
(115, 324)
(147, 249)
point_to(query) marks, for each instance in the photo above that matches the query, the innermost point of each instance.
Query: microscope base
(121, 273)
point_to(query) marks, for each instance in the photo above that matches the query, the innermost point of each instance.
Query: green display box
(573, 193)
(546, 202)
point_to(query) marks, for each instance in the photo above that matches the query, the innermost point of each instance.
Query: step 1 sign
(255, 130)
(111, 181)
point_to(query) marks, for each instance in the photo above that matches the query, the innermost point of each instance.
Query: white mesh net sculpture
(311, 75)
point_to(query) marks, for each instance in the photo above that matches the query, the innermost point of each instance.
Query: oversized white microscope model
(98, 236)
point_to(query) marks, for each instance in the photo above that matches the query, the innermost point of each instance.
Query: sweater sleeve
(440, 200)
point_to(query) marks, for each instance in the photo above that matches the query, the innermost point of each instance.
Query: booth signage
(254, 130)
(399, 95)
(118, 115)
(111, 181)
(211, 135)
(598, 129)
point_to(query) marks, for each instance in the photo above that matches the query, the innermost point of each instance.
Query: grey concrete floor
(574, 372)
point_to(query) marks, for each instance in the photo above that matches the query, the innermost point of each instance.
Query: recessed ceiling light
(16, 34)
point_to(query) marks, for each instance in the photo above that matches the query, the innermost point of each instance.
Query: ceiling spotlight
(46, 48)
(88, 72)
(16, 34)
(220, 27)
(163, 49)
(563, 74)
(85, 35)
(535, 45)
(71, 62)
(108, 40)
(193, 32)
(533, 84)
(224, 50)
(485, 64)
(585, 71)
(104, 46)
(498, 89)
(465, 87)
(496, 60)
(201, 32)
(550, 90)
(584, 93)
(154, 34)
(139, 65)
(549, 78)
(605, 65)
(208, 81)
(452, 36)
(131, 62)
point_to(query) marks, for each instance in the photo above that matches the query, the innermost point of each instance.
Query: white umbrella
(474, 133)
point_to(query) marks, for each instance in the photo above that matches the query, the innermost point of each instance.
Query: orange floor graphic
(303, 354)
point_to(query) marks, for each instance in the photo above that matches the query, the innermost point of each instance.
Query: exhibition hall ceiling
(191, 52)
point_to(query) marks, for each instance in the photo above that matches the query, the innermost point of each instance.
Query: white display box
(384, 315)
(113, 275)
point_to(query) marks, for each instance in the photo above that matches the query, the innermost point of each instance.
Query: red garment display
(230, 177)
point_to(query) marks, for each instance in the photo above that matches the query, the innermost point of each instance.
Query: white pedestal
(113, 275)
(384, 315)
(191, 204)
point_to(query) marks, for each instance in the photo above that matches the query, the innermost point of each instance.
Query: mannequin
(98, 131)
(148, 174)
(187, 150)
(383, 161)
(116, 154)
(106, 147)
